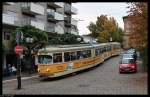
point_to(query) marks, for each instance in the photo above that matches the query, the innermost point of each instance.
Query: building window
(6, 35)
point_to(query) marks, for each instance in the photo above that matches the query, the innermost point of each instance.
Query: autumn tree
(139, 11)
(104, 28)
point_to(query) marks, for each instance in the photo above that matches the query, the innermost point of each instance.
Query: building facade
(128, 36)
(52, 17)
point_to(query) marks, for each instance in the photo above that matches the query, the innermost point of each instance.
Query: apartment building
(128, 32)
(52, 17)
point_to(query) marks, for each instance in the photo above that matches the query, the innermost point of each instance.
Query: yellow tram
(54, 61)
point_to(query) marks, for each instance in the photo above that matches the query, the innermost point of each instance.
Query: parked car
(127, 65)
(127, 55)
(133, 51)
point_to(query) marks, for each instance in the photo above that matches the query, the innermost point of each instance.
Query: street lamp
(30, 41)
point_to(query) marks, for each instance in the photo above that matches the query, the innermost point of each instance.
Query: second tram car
(54, 61)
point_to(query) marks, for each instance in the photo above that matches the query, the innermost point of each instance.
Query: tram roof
(54, 48)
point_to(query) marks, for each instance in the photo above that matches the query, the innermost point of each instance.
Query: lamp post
(29, 41)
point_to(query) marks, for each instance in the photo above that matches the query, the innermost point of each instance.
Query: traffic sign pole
(19, 72)
(19, 51)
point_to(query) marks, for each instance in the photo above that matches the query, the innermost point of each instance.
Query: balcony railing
(74, 32)
(32, 8)
(73, 10)
(73, 22)
(55, 29)
(38, 24)
(56, 4)
(9, 3)
(54, 16)
(10, 20)
(67, 21)
(59, 29)
(67, 8)
(51, 29)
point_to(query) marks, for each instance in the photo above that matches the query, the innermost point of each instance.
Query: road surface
(104, 79)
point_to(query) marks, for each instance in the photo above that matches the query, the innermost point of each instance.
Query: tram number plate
(70, 66)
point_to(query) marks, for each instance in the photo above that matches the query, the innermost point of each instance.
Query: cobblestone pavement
(104, 79)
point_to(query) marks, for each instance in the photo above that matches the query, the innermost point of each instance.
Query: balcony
(68, 9)
(55, 29)
(56, 4)
(32, 9)
(38, 24)
(59, 29)
(54, 16)
(10, 20)
(9, 3)
(50, 29)
(73, 10)
(73, 22)
(74, 32)
(67, 21)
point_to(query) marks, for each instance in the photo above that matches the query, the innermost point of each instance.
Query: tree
(65, 39)
(104, 28)
(92, 28)
(139, 11)
(40, 38)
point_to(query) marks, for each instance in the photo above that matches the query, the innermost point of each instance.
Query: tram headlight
(47, 70)
(38, 70)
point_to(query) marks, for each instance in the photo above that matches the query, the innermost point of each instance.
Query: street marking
(23, 78)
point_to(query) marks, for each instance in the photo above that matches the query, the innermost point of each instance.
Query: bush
(65, 39)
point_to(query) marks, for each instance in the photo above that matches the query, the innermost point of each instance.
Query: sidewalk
(23, 75)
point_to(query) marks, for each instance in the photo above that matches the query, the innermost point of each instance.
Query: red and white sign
(18, 49)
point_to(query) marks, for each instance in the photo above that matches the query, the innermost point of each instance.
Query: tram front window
(44, 59)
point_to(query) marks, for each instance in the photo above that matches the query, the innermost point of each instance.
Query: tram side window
(69, 56)
(109, 48)
(104, 49)
(57, 57)
(101, 51)
(73, 56)
(44, 59)
(88, 53)
(83, 54)
(79, 55)
(98, 52)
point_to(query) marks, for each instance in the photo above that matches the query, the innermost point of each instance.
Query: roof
(60, 48)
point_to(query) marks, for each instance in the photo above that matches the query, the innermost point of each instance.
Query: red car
(127, 65)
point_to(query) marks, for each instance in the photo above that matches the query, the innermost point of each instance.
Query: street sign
(19, 37)
(18, 49)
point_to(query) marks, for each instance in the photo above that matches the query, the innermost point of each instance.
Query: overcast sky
(89, 11)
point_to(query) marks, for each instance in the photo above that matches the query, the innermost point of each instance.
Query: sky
(88, 12)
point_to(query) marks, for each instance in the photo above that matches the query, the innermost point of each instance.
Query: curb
(23, 78)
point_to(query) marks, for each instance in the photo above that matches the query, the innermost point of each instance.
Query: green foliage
(105, 28)
(65, 39)
(39, 37)
(92, 28)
